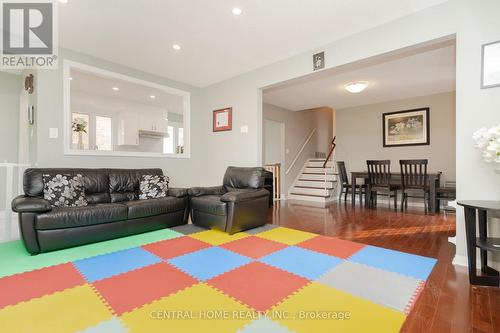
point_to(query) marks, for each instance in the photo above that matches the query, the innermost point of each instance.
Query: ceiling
(216, 45)
(94, 84)
(420, 74)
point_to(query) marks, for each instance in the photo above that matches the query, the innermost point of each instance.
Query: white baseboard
(460, 261)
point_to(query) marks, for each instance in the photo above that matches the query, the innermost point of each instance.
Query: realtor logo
(28, 34)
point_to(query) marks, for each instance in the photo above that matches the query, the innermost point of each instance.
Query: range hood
(153, 134)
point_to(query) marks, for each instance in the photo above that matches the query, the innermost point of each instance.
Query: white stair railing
(12, 171)
(325, 165)
(301, 150)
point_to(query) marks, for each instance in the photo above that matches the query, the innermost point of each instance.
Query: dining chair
(448, 192)
(379, 180)
(414, 178)
(345, 186)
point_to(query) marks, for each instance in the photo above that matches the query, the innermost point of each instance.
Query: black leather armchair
(240, 204)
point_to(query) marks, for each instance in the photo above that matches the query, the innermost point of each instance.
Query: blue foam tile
(106, 265)
(303, 262)
(394, 261)
(207, 263)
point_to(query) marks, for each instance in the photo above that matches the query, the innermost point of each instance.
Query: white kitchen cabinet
(128, 129)
(152, 123)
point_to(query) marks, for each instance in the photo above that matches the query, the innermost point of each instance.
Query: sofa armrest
(177, 192)
(199, 191)
(25, 204)
(244, 195)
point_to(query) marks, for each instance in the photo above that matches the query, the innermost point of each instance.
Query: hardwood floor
(448, 303)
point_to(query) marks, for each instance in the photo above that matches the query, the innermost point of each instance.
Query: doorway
(274, 146)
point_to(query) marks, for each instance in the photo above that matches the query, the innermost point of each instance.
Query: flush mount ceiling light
(236, 11)
(115, 88)
(176, 47)
(152, 96)
(356, 87)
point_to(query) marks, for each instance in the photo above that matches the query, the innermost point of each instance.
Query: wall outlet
(53, 133)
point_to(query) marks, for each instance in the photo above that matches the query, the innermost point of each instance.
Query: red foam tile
(38, 283)
(130, 290)
(332, 246)
(258, 285)
(253, 247)
(175, 247)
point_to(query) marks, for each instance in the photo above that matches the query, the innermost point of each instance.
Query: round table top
(480, 204)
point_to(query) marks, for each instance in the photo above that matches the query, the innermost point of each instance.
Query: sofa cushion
(153, 186)
(151, 207)
(124, 183)
(69, 217)
(209, 204)
(63, 190)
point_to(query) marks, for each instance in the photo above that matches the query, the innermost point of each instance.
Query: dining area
(379, 185)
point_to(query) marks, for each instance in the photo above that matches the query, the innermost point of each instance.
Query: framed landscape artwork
(223, 120)
(406, 128)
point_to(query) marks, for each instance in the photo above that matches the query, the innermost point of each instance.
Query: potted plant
(79, 125)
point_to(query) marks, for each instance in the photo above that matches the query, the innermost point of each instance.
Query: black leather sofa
(113, 210)
(241, 203)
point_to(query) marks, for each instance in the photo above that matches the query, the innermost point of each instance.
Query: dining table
(434, 181)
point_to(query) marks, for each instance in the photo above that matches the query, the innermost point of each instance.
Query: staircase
(316, 182)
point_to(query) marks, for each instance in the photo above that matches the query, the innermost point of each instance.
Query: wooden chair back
(414, 174)
(379, 172)
(344, 179)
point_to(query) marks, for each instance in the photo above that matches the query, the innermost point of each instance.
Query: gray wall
(49, 108)
(298, 125)
(472, 22)
(10, 88)
(359, 134)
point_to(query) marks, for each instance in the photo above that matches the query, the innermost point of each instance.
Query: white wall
(49, 106)
(359, 134)
(10, 89)
(473, 23)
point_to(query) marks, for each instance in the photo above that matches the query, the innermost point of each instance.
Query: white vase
(80, 141)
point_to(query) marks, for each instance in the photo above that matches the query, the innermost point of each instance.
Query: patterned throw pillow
(153, 186)
(63, 190)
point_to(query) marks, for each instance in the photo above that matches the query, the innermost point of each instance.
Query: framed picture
(406, 128)
(490, 67)
(223, 120)
(318, 61)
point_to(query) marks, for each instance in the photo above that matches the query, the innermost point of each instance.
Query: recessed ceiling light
(176, 47)
(63, 1)
(237, 11)
(70, 78)
(356, 87)
(115, 88)
(152, 96)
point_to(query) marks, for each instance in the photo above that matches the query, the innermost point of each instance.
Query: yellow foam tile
(215, 237)
(286, 235)
(318, 308)
(199, 308)
(67, 311)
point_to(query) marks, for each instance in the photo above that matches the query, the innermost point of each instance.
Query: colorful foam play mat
(188, 279)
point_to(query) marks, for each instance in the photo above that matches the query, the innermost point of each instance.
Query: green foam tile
(15, 259)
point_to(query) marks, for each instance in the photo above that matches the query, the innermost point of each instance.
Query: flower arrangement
(488, 141)
(79, 125)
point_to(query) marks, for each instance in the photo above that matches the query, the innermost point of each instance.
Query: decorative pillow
(153, 186)
(63, 190)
